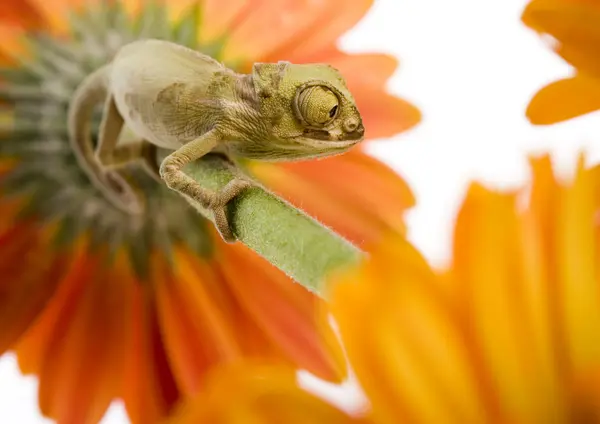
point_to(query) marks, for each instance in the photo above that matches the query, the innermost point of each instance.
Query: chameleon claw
(219, 206)
(222, 224)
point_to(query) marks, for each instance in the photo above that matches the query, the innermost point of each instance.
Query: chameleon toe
(232, 189)
(222, 224)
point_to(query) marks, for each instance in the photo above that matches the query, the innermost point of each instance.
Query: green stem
(297, 244)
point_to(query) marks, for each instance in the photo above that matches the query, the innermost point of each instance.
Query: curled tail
(91, 92)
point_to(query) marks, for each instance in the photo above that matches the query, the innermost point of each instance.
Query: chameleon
(173, 97)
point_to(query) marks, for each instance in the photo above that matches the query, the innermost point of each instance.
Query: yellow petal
(511, 334)
(566, 20)
(580, 291)
(498, 302)
(256, 393)
(565, 99)
(575, 25)
(402, 340)
(583, 57)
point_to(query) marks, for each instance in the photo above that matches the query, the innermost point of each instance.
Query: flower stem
(297, 244)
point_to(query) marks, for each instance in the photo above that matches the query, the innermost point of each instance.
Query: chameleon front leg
(171, 172)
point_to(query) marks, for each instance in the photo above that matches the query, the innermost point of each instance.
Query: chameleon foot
(120, 193)
(219, 206)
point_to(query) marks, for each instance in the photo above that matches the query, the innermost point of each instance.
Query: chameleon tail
(91, 92)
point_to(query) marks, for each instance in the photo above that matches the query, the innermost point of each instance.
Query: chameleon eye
(318, 105)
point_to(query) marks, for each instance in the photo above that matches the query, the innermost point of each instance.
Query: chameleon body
(176, 98)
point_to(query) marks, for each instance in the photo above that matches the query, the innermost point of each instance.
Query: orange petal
(194, 319)
(54, 13)
(252, 37)
(33, 347)
(286, 312)
(30, 277)
(9, 209)
(6, 164)
(222, 16)
(149, 388)
(353, 193)
(302, 28)
(11, 46)
(341, 16)
(384, 115)
(82, 365)
(381, 67)
(564, 99)
(262, 394)
(22, 13)
(83, 375)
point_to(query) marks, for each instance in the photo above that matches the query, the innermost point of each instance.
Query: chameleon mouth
(321, 139)
(317, 134)
(318, 148)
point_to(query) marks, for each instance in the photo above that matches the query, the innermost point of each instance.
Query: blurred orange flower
(507, 334)
(257, 393)
(574, 26)
(100, 305)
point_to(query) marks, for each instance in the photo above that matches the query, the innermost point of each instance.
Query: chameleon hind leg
(143, 151)
(114, 157)
(110, 157)
(216, 202)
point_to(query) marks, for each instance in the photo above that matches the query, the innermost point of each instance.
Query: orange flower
(100, 305)
(257, 393)
(575, 26)
(508, 334)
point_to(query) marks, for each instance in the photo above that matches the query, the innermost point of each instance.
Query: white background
(471, 67)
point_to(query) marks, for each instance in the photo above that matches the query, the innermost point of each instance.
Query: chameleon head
(312, 112)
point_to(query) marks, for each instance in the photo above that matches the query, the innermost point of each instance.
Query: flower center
(36, 95)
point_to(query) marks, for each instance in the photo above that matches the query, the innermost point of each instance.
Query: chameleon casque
(177, 98)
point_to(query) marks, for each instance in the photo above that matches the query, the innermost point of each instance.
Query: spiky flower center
(36, 94)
